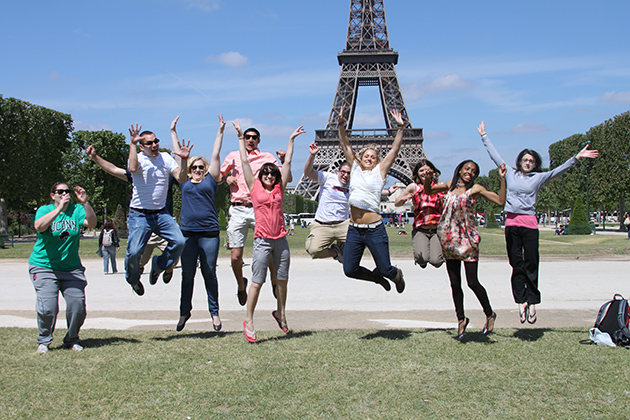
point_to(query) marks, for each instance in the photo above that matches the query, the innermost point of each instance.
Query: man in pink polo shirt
(241, 211)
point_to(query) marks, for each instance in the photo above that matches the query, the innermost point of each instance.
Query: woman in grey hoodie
(521, 225)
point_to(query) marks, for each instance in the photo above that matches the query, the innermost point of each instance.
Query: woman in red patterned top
(267, 192)
(460, 238)
(427, 211)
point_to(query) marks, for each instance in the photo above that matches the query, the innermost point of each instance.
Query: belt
(241, 204)
(147, 211)
(367, 225)
(329, 223)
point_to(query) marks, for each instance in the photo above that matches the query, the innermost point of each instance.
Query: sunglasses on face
(268, 173)
(197, 167)
(149, 143)
(61, 192)
(251, 136)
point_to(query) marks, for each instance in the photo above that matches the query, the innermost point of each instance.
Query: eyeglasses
(61, 192)
(202, 167)
(251, 136)
(345, 172)
(527, 160)
(149, 143)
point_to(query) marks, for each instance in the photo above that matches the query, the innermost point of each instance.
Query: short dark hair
(456, 175)
(537, 158)
(272, 169)
(56, 184)
(145, 132)
(420, 164)
(254, 130)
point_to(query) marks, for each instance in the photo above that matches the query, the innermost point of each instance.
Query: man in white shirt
(150, 170)
(328, 231)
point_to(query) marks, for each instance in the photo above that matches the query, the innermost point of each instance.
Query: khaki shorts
(322, 236)
(241, 219)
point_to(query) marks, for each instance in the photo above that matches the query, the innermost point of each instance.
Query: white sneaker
(77, 347)
(42, 349)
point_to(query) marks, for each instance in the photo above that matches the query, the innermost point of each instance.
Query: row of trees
(39, 149)
(601, 183)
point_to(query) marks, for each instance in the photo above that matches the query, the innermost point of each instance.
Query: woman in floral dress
(460, 238)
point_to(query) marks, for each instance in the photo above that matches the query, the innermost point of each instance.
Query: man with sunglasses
(328, 231)
(241, 211)
(150, 171)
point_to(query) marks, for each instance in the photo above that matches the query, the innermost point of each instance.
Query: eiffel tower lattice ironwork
(367, 60)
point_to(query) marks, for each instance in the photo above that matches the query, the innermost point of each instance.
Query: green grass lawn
(492, 243)
(349, 374)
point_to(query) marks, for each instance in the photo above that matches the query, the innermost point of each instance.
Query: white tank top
(366, 188)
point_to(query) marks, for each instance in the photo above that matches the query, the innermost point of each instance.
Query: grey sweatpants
(48, 283)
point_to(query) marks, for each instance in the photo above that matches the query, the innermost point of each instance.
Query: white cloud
(614, 97)
(443, 83)
(79, 126)
(529, 127)
(231, 59)
(205, 5)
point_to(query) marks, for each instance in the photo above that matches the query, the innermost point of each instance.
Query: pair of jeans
(206, 250)
(141, 225)
(109, 253)
(522, 250)
(377, 241)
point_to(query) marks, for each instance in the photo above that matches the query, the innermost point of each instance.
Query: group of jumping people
(346, 222)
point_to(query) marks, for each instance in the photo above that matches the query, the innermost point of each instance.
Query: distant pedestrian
(55, 266)
(457, 230)
(521, 226)
(109, 243)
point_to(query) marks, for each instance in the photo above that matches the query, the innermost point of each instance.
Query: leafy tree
(120, 222)
(104, 191)
(33, 140)
(578, 225)
(492, 182)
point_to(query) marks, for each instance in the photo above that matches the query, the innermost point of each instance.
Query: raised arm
(134, 138)
(407, 194)
(248, 174)
(388, 160)
(344, 140)
(107, 166)
(183, 151)
(480, 190)
(174, 138)
(286, 166)
(494, 155)
(215, 159)
(90, 216)
(309, 170)
(434, 189)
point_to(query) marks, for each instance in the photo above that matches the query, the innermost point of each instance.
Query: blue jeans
(377, 242)
(140, 227)
(109, 252)
(206, 250)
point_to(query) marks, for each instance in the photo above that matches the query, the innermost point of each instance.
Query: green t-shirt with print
(57, 248)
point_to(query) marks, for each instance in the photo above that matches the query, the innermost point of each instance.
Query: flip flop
(531, 318)
(283, 325)
(249, 335)
(523, 313)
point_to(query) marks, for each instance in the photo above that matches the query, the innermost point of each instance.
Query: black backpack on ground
(613, 318)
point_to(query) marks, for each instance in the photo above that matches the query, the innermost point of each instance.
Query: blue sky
(535, 71)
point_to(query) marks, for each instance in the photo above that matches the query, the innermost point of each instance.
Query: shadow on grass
(388, 334)
(530, 334)
(200, 334)
(110, 341)
(476, 337)
(289, 336)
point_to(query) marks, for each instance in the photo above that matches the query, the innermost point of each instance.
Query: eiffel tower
(367, 60)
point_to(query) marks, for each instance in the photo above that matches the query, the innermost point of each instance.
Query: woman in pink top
(427, 211)
(267, 192)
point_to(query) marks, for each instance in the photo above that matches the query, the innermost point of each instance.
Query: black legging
(454, 274)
